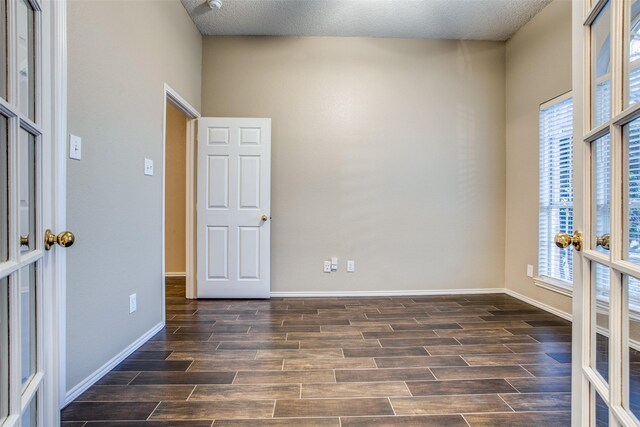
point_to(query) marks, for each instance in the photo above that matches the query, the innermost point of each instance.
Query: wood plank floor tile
(509, 359)
(332, 407)
(426, 405)
(457, 387)
(527, 402)
(374, 375)
(548, 419)
(194, 378)
(385, 352)
(467, 349)
(352, 390)
(480, 372)
(138, 393)
(541, 385)
(325, 363)
(284, 377)
(249, 391)
(282, 422)
(412, 421)
(235, 365)
(214, 355)
(313, 360)
(109, 411)
(199, 410)
(419, 362)
(319, 353)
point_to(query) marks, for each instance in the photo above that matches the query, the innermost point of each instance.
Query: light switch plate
(148, 167)
(351, 266)
(133, 305)
(529, 270)
(75, 147)
(334, 263)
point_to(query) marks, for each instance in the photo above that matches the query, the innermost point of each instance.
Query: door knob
(264, 218)
(563, 240)
(24, 240)
(603, 241)
(64, 239)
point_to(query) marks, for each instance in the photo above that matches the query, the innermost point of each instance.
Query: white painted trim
(414, 292)
(179, 102)
(554, 286)
(175, 274)
(81, 387)
(545, 307)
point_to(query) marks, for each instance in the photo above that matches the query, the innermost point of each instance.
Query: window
(556, 190)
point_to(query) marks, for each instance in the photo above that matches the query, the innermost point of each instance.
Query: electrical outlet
(133, 305)
(148, 167)
(327, 267)
(75, 147)
(351, 266)
(529, 270)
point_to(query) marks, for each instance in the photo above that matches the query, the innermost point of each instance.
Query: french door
(606, 304)
(28, 370)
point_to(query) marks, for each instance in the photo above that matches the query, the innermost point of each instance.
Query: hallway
(478, 360)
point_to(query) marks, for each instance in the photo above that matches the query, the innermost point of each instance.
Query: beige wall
(120, 55)
(389, 152)
(538, 69)
(175, 190)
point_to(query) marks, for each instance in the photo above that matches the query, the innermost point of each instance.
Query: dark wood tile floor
(464, 360)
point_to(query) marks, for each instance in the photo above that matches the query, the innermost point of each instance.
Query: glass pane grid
(601, 67)
(601, 191)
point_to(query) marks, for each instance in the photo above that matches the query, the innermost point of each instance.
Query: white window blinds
(556, 189)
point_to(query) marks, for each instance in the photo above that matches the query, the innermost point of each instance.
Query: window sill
(557, 286)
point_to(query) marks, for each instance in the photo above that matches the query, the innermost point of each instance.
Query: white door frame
(192, 114)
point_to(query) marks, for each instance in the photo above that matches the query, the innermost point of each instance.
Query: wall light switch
(133, 305)
(529, 270)
(351, 266)
(148, 167)
(327, 267)
(75, 147)
(334, 263)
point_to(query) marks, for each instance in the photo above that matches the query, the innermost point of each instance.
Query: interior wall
(538, 62)
(390, 152)
(120, 56)
(175, 190)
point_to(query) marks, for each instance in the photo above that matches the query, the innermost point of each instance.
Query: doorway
(178, 203)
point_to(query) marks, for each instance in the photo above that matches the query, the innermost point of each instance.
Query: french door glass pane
(600, 190)
(3, 49)
(632, 85)
(602, 411)
(27, 188)
(601, 67)
(600, 317)
(4, 348)
(631, 187)
(26, 56)
(28, 322)
(4, 190)
(632, 289)
(30, 415)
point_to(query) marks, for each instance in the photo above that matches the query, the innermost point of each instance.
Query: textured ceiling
(428, 19)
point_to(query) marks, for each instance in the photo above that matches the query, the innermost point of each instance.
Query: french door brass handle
(24, 240)
(264, 218)
(563, 240)
(64, 239)
(603, 241)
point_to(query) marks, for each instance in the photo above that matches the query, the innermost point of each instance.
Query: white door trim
(179, 102)
(57, 335)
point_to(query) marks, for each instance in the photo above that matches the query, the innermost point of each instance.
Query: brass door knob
(264, 218)
(563, 240)
(24, 240)
(64, 239)
(603, 241)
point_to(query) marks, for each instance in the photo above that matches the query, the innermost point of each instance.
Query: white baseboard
(104, 369)
(545, 307)
(175, 274)
(414, 292)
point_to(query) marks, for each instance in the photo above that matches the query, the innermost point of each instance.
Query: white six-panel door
(234, 205)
